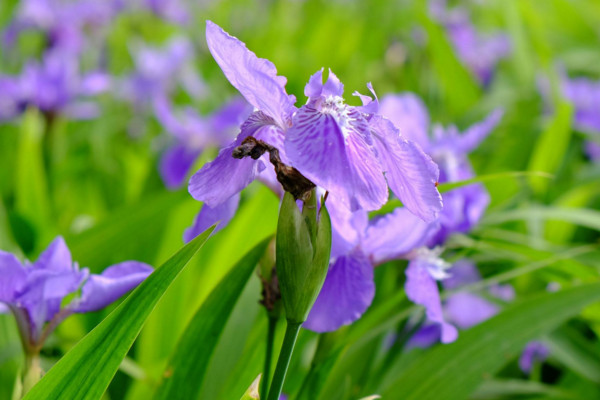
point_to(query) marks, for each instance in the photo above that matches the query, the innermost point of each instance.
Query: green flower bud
(303, 248)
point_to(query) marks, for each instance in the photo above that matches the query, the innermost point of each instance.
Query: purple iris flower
(194, 133)
(54, 86)
(62, 22)
(593, 150)
(343, 149)
(534, 352)
(35, 292)
(479, 52)
(463, 207)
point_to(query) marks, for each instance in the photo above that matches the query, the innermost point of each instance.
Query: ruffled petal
(338, 159)
(346, 294)
(411, 174)
(255, 78)
(12, 277)
(315, 146)
(422, 289)
(393, 235)
(208, 216)
(409, 114)
(175, 164)
(101, 290)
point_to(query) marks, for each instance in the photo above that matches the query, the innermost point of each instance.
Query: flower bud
(303, 249)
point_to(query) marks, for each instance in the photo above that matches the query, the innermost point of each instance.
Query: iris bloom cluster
(360, 244)
(36, 293)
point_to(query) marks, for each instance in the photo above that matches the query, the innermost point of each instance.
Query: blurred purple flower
(534, 352)
(593, 150)
(343, 149)
(54, 86)
(463, 207)
(158, 72)
(194, 133)
(35, 292)
(584, 94)
(171, 10)
(479, 52)
(65, 24)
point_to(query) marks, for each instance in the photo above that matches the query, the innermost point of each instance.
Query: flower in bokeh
(56, 86)
(343, 149)
(159, 71)
(65, 24)
(479, 52)
(534, 352)
(36, 293)
(193, 133)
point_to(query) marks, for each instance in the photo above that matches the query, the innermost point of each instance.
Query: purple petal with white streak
(422, 289)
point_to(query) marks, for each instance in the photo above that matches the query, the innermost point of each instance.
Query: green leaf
(189, 362)
(454, 371)
(508, 388)
(32, 200)
(571, 348)
(552, 145)
(86, 371)
(579, 216)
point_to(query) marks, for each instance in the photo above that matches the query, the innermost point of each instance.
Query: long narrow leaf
(454, 371)
(85, 372)
(187, 367)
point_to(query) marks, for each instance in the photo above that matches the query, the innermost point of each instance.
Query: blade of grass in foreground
(454, 371)
(86, 371)
(189, 362)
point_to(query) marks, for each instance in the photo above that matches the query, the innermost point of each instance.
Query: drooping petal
(346, 294)
(175, 164)
(254, 77)
(411, 174)
(56, 257)
(390, 236)
(223, 177)
(467, 309)
(101, 290)
(409, 114)
(422, 289)
(12, 277)
(208, 216)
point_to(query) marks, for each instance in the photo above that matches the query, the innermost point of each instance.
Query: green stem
(289, 341)
(268, 355)
(32, 372)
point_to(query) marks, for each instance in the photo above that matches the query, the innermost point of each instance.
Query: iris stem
(289, 341)
(268, 354)
(32, 372)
